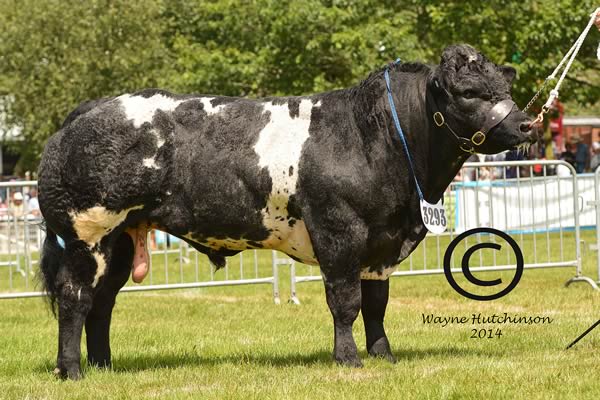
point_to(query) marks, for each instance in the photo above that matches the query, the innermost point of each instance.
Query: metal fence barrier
(526, 199)
(596, 204)
(20, 237)
(542, 211)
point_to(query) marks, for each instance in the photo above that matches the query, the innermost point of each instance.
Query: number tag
(434, 216)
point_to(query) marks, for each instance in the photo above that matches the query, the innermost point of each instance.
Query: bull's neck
(436, 157)
(444, 156)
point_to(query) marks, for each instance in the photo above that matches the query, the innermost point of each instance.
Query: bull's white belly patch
(225, 243)
(295, 243)
(279, 148)
(142, 109)
(93, 224)
(374, 275)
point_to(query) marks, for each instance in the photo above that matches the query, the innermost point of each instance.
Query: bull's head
(472, 98)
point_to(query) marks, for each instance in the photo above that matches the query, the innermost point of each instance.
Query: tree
(266, 47)
(531, 35)
(55, 54)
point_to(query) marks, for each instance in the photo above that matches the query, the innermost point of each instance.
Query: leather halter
(496, 115)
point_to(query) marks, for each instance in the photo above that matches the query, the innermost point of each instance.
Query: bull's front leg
(343, 298)
(375, 295)
(338, 244)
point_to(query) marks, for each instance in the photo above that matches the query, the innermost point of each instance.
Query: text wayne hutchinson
(477, 319)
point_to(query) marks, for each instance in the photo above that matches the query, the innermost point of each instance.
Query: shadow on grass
(141, 362)
(440, 352)
(131, 363)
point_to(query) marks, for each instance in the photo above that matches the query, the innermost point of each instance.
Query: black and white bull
(323, 178)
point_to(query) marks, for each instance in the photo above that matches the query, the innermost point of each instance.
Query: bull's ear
(509, 72)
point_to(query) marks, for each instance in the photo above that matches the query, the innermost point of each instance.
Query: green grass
(233, 342)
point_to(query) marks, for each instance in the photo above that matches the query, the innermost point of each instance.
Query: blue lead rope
(399, 128)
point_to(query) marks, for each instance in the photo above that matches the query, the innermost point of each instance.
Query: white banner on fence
(529, 205)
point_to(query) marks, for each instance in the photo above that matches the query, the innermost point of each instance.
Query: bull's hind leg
(375, 296)
(97, 324)
(75, 293)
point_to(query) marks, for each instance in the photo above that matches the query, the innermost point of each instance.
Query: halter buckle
(438, 118)
(478, 138)
(469, 150)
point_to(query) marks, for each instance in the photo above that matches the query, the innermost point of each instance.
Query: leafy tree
(267, 47)
(54, 54)
(531, 35)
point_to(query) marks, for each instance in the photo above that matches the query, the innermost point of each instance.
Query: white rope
(572, 53)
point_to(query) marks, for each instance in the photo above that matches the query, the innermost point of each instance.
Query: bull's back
(218, 170)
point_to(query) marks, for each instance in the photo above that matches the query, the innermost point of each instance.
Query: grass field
(233, 342)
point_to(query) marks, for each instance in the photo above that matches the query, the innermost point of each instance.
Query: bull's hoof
(353, 362)
(73, 374)
(381, 349)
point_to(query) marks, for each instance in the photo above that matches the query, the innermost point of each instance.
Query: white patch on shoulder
(94, 223)
(209, 108)
(279, 148)
(100, 267)
(141, 109)
(376, 276)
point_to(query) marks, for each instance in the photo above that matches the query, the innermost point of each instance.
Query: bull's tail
(51, 256)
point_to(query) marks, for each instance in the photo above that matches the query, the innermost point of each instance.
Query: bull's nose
(530, 130)
(526, 126)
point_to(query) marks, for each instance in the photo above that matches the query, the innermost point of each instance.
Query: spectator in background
(567, 156)
(33, 206)
(582, 154)
(496, 172)
(17, 208)
(513, 155)
(3, 209)
(470, 174)
(595, 161)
